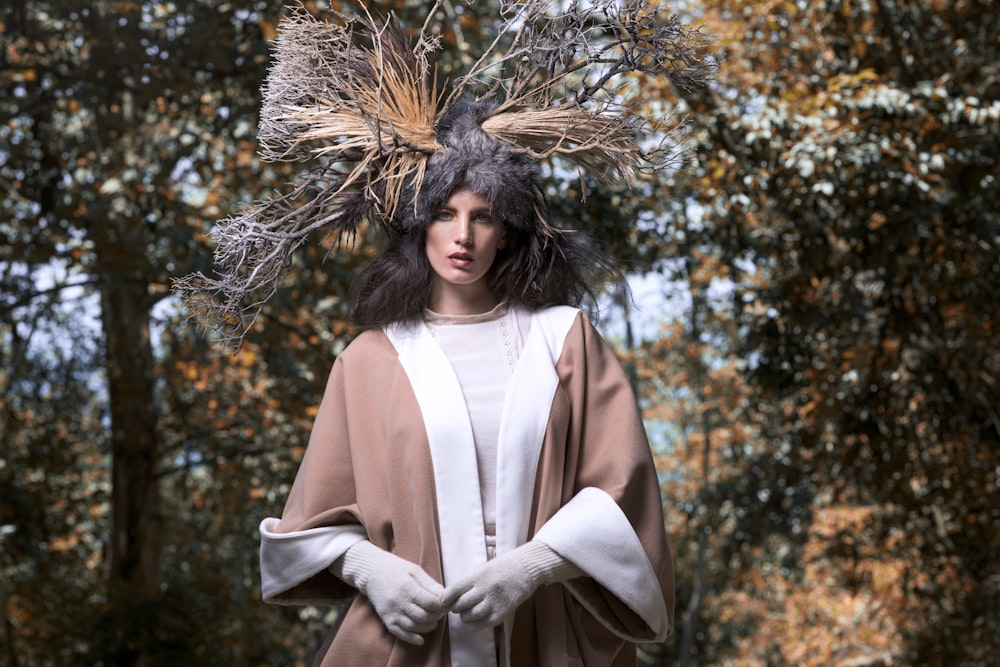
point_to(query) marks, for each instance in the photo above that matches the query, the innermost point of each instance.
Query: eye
(484, 218)
(442, 215)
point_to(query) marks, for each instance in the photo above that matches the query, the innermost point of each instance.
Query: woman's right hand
(406, 598)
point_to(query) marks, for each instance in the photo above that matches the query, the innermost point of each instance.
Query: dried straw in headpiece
(368, 103)
(356, 102)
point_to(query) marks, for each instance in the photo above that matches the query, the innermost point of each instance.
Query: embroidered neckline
(502, 317)
(489, 316)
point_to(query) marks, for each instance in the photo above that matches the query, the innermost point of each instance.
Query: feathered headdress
(358, 101)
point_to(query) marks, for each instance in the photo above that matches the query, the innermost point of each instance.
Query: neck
(451, 299)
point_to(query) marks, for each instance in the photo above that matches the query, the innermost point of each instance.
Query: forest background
(820, 384)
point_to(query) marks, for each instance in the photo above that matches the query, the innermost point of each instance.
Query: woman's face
(462, 241)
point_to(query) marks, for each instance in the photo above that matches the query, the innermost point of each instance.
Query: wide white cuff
(288, 559)
(592, 531)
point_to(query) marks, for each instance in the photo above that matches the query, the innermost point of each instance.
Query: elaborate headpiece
(360, 104)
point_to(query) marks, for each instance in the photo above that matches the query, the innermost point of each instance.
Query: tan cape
(391, 459)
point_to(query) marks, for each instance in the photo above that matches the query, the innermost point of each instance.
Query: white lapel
(456, 476)
(524, 420)
(523, 423)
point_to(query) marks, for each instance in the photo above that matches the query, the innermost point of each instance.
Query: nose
(463, 235)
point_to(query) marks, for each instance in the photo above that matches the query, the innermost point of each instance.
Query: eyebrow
(475, 211)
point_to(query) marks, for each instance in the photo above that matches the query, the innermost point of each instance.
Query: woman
(478, 484)
(478, 488)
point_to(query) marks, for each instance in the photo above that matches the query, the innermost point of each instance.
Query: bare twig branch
(358, 96)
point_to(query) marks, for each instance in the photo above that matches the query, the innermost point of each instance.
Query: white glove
(485, 597)
(405, 597)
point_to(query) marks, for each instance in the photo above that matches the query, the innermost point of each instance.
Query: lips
(460, 257)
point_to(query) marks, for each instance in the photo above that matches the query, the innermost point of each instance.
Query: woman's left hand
(485, 597)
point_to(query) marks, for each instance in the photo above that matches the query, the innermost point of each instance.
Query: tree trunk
(134, 441)
(135, 447)
(698, 383)
(690, 634)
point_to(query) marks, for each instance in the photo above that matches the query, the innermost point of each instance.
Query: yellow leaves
(890, 346)
(846, 604)
(18, 609)
(124, 7)
(246, 154)
(343, 329)
(269, 29)
(858, 79)
(22, 75)
(953, 312)
(833, 520)
(777, 7)
(245, 358)
(798, 90)
(62, 544)
(161, 10)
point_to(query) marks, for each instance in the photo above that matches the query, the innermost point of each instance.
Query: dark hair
(540, 266)
(395, 286)
(533, 271)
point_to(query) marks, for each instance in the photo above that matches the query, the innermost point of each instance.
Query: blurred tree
(53, 490)
(129, 123)
(846, 209)
(131, 129)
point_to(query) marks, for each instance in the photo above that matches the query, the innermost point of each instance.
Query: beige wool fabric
(368, 466)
